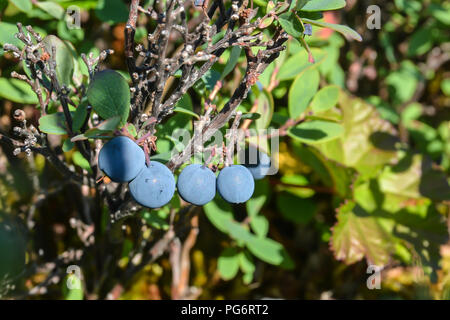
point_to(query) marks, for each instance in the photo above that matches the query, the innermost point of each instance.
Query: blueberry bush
(126, 129)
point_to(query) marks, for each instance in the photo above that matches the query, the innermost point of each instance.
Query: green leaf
(218, 211)
(67, 145)
(64, 58)
(357, 235)
(156, 218)
(247, 266)
(259, 198)
(345, 30)
(228, 263)
(415, 177)
(52, 8)
(421, 42)
(259, 225)
(403, 83)
(17, 91)
(368, 141)
(296, 209)
(100, 131)
(302, 91)
(326, 98)
(71, 35)
(265, 109)
(8, 30)
(232, 61)
(53, 124)
(332, 174)
(81, 161)
(72, 294)
(445, 87)
(220, 215)
(210, 79)
(291, 25)
(132, 130)
(412, 221)
(440, 13)
(79, 117)
(270, 251)
(23, 5)
(109, 95)
(185, 102)
(186, 111)
(316, 131)
(300, 4)
(266, 22)
(323, 5)
(251, 115)
(112, 11)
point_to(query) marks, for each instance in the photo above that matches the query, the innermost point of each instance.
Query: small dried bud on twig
(19, 115)
(144, 117)
(17, 130)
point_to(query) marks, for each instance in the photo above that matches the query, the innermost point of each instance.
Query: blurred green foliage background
(375, 190)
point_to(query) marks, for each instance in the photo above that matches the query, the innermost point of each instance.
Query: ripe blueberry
(154, 186)
(257, 162)
(235, 184)
(121, 159)
(197, 184)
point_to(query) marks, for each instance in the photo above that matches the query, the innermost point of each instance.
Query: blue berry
(154, 186)
(121, 159)
(257, 162)
(235, 184)
(197, 184)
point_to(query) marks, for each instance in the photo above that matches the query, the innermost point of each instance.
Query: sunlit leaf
(326, 98)
(17, 91)
(323, 5)
(357, 235)
(316, 131)
(228, 263)
(64, 58)
(302, 91)
(109, 95)
(345, 30)
(53, 124)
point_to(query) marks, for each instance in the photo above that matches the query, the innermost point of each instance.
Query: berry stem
(147, 154)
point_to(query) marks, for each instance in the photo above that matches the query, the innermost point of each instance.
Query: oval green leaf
(17, 91)
(265, 109)
(291, 25)
(345, 30)
(325, 99)
(316, 131)
(64, 58)
(299, 62)
(53, 124)
(109, 95)
(323, 5)
(270, 251)
(228, 263)
(302, 91)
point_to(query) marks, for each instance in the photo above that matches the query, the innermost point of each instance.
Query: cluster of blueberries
(153, 185)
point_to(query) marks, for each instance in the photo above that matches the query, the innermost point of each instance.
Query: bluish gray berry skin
(258, 167)
(197, 184)
(235, 184)
(121, 159)
(154, 186)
